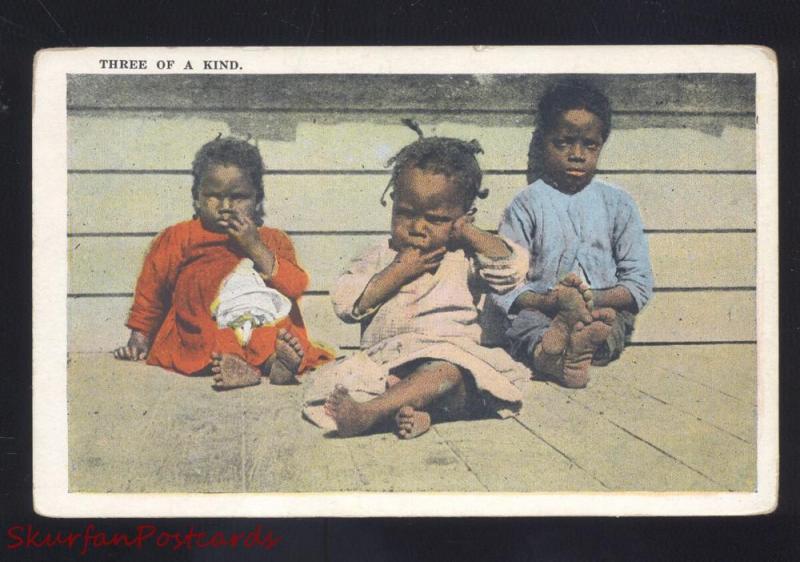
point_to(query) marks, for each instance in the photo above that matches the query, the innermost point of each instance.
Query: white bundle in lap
(245, 302)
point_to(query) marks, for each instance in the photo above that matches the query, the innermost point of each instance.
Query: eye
(433, 219)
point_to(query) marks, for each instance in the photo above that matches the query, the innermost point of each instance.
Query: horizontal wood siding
(683, 147)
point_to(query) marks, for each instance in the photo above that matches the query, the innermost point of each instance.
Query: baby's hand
(412, 262)
(137, 348)
(462, 229)
(243, 231)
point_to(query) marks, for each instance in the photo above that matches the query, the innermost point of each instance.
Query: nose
(416, 228)
(576, 153)
(226, 203)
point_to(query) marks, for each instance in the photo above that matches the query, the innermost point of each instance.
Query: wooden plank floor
(664, 418)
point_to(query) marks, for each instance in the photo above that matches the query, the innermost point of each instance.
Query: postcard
(416, 281)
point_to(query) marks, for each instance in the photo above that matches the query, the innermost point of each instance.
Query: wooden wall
(682, 146)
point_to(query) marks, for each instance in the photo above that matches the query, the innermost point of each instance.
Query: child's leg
(430, 381)
(568, 303)
(620, 336)
(231, 371)
(525, 333)
(573, 305)
(583, 343)
(285, 364)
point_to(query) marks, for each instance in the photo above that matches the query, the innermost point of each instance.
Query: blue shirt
(596, 232)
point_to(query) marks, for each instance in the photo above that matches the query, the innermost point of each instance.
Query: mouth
(576, 173)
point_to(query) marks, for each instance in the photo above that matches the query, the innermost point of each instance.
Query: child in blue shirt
(590, 271)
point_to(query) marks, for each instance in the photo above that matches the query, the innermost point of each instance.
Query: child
(579, 231)
(416, 296)
(217, 294)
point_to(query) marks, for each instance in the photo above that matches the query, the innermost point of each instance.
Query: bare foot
(583, 342)
(392, 380)
(288, 356)
(230, 371)
(411, 423)
(351, 417)
(574, 302)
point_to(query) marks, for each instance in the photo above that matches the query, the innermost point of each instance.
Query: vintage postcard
(459, 281)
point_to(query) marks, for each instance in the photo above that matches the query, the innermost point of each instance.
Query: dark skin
(226, 203)
(571, 153)
(428, 219)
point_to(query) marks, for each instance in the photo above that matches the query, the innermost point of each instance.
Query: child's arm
(631, 253)
(485, 243)
(153, 292)
(137, 348)
(618, 298)
(287, 275)
(409, 264)
(499, 263)
(371, 279)
(244, 232)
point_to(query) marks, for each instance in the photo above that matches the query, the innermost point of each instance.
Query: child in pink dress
(416, 297)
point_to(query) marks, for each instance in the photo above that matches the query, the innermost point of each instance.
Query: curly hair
(453, 158)
(229, 151)
(559, 97)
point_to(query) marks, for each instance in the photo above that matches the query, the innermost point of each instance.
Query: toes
(571, 280)
(286, 336)
(604, 314)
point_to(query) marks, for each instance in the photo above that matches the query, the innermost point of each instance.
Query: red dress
(180, 279)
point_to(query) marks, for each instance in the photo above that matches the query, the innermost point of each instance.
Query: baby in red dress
(187, 314)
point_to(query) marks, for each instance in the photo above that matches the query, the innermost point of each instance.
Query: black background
(26, 27)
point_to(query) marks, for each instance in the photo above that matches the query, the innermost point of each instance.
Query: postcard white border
(50, 470)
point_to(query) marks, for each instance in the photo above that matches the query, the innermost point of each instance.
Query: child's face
(224, 191)
(571, 150)
(425, 207)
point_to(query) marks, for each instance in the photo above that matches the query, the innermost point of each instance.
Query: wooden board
(154, 141)
(516, 92)
(528, 462)
(134, 428)
(715, 454)
(112, 265)
(97, 323)
(727, 369)
(112, 420)
(601, 447)
(319, 202)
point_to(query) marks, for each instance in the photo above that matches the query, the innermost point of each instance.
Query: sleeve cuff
(506, 301)
(640, 296)
(503, 274)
